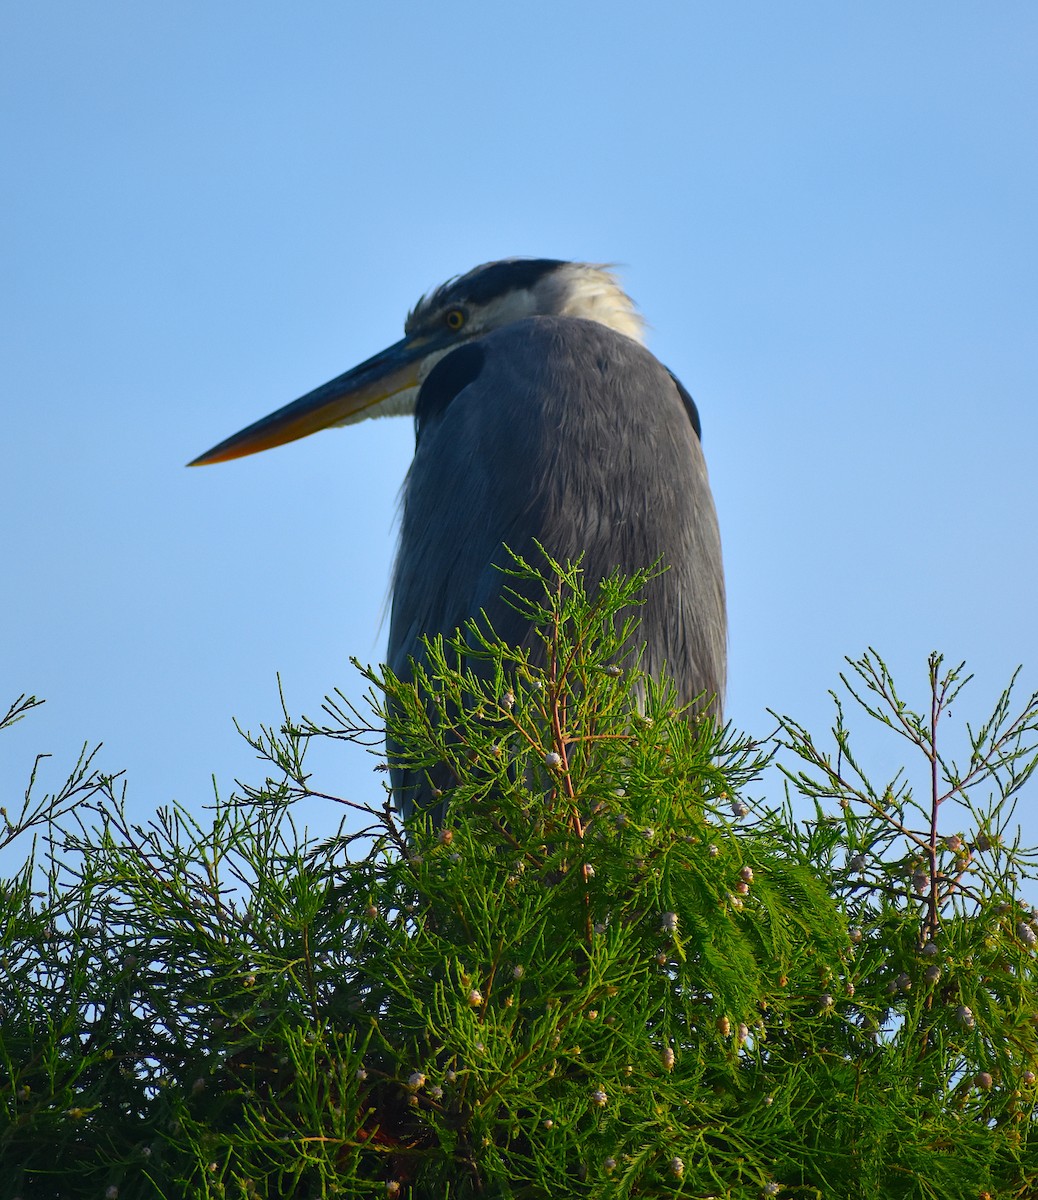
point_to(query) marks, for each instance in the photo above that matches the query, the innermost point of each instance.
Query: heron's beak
(378, 386)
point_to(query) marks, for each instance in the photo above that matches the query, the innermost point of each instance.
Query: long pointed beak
(378, 386)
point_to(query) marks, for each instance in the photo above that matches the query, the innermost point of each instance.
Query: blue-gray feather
(563, 431)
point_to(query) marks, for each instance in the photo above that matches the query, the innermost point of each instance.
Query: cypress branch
(610, 971)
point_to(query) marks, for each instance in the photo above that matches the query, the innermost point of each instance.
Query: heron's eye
(455, 318)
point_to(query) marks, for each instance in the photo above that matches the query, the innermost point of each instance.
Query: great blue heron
(539, 416)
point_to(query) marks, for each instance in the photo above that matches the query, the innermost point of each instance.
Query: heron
(540, 418)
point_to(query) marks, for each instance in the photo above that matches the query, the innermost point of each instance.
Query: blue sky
(826, 213)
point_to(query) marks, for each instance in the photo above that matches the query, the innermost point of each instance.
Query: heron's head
(464, 308)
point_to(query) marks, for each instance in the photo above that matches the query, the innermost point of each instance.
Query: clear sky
(826, 212)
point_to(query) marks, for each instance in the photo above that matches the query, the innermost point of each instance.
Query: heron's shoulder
(547, 350)
(542, 351)
(565, 336)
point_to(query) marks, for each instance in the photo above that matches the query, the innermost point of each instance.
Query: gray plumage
(541, 417)
(576, 437)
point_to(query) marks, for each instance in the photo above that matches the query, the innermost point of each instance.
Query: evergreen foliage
(610, 972)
